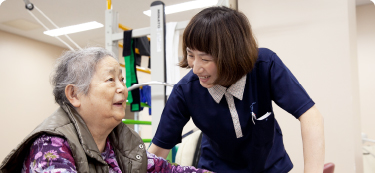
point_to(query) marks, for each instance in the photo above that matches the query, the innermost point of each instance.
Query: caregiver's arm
(158, 151)
(312, 129)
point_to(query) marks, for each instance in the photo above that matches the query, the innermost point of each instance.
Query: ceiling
(70, 12)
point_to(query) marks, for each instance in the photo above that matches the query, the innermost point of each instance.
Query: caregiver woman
(229, 93)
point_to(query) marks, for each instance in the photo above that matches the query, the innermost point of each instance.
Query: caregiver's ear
(71, 93)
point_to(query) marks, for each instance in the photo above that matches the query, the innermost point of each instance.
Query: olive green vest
(66, 122)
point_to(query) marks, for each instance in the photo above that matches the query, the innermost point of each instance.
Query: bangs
(200, 36)
(226, 35)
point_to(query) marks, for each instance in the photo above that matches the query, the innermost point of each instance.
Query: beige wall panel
(316, 40)
(366, 63)
(26, 98)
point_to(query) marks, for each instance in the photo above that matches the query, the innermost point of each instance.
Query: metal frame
(111, 27)
(365, 139)
(157, 32)
(158, 97)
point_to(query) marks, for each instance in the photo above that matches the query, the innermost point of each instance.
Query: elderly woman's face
(106, 100)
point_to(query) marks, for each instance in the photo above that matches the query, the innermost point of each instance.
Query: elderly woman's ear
(72, 95)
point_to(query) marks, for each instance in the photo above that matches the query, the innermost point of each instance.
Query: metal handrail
(368, 140)
(139, 69)
(149, 83)
(365, 139)
(130, 121)
(146, 140)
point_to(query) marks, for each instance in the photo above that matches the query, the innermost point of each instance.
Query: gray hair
(77, 68)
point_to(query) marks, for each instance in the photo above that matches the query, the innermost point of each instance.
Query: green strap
(142, 104)
(131, 77)
(129, 68)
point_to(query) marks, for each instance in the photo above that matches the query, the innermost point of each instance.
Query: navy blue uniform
(261, 148)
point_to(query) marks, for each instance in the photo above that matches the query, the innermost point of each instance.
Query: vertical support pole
(136, 126)
(110, 28)
(157, 27)
(233, 4)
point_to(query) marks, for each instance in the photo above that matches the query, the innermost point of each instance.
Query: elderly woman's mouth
(119, 103)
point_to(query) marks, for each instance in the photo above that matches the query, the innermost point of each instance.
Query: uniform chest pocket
(265, 116)
(263, 129)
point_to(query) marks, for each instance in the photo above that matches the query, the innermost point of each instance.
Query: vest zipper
(130, 166)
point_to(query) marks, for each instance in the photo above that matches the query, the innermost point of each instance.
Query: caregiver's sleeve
(286, 91)
(174, 117)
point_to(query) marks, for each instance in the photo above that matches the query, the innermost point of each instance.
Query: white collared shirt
(236, 90)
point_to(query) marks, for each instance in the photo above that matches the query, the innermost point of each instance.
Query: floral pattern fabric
(52, 154)
(49, 154)
(160, 165)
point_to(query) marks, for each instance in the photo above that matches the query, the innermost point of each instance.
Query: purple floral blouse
(51, 154)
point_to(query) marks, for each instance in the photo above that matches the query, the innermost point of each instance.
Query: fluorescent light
(186, 6)
(1, 1)
(73, 29)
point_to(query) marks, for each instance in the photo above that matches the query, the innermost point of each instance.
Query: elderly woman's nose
(120, 87)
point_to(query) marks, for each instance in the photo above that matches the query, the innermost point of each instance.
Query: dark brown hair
(225, 34)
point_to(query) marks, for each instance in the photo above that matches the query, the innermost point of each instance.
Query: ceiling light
(73, 29)
(186, 6)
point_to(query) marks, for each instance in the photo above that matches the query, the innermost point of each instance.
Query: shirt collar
(237, 90)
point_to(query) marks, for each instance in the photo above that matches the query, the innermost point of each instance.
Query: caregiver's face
(106, 99)
(203, 66)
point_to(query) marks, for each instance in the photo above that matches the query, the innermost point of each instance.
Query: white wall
(366, 63)
(316, 40)
(26, 94)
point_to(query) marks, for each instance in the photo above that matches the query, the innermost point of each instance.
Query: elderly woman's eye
(110, 79)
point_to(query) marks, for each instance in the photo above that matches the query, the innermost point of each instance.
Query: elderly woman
(86, 133)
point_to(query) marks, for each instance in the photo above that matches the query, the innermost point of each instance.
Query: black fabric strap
(143, 45)
(126, 50)
(197, 153)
